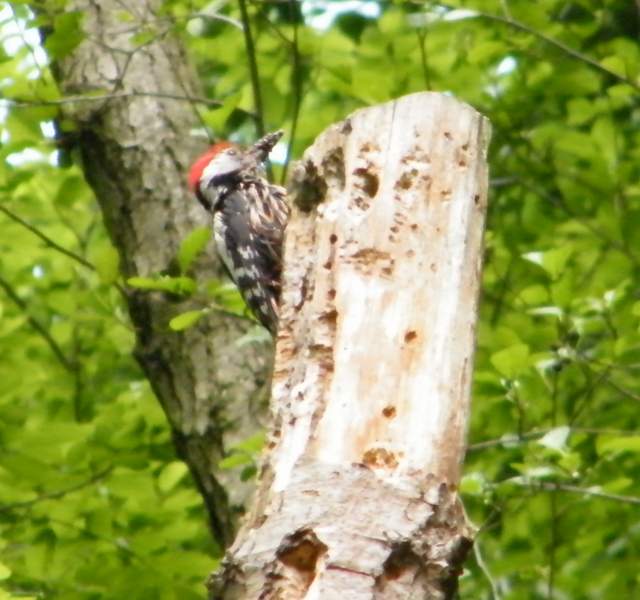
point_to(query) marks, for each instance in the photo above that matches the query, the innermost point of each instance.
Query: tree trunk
(371, 387)
(136, 149)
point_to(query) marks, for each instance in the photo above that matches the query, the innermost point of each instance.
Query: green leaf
(5, 572)
(607, 444)
(581, 110)
(533, 472)
(615, 63)
(472, 484)
(124, 16)
(171, 475)
(552, 261)
(253, 444)
(512, 361)
(72, 190)
(235, 459)
(244, 453)
(249, 472)
(107, 262)
(606, 137)
(186, 320)
(67, 34)
(144, 37)
(184, 286)
(192, 246)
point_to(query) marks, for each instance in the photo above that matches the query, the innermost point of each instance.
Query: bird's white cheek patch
(222, 164)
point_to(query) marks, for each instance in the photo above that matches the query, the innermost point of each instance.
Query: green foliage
(185, 320)
(92, 501)
(245, 455)
(180, 286)
(67, 34)
(192, 246)
(211, 295)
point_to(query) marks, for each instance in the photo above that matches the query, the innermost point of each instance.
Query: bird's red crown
(195, 173)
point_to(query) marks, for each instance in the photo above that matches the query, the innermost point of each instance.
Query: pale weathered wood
(371, 386)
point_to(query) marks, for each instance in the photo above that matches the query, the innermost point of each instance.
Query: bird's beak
(261, 149)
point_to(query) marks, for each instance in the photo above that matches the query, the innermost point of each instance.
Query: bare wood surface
(371, 389)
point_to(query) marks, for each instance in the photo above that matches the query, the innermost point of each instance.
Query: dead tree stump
(371, 389)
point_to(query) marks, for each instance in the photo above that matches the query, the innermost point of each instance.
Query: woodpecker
(249, 218)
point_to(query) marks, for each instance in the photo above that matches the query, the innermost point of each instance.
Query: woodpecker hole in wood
(333, 168)
(301, 552)
(380, 458)
(389, 411)
(410, 336)
(367, 181)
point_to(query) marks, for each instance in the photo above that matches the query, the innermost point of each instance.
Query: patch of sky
(15, 35)
(507, 65)
(320, 14)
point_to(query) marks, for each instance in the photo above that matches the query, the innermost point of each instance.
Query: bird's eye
(231, 152)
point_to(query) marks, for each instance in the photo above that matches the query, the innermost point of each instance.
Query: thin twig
(253, 68)
(422, 35)
(507, 440)
(538, 433)
(496, 182)
(14, 103)
(485, 570)
(49, 242)
(45, 238)
(296, 81)
(553, 542)
(185, 88)
(173, 20)
(621, 390)
(58, 493)
(557, 200)
(584, 397)
(39, 327)
(505, 280)
(574, 489)
(212, 17)
(505, 9)
(557, 44)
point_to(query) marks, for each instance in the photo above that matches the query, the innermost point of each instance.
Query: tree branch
(253, 68)
(58, 493)
(17, 103)
(46, 239)
(296, 81)
(574, 489)
(513, 440)
(556, 44)
(39, 327)
(422, 35)
(135, 156)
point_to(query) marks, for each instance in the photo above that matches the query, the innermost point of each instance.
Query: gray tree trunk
(371, 386)
(136, 149)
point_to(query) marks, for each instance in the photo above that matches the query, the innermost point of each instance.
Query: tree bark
(371, 387)
(136, 149)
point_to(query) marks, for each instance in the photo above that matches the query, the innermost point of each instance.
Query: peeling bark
(371, 387)
(135, 152)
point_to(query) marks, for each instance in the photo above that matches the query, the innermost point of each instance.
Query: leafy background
(93, 502)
